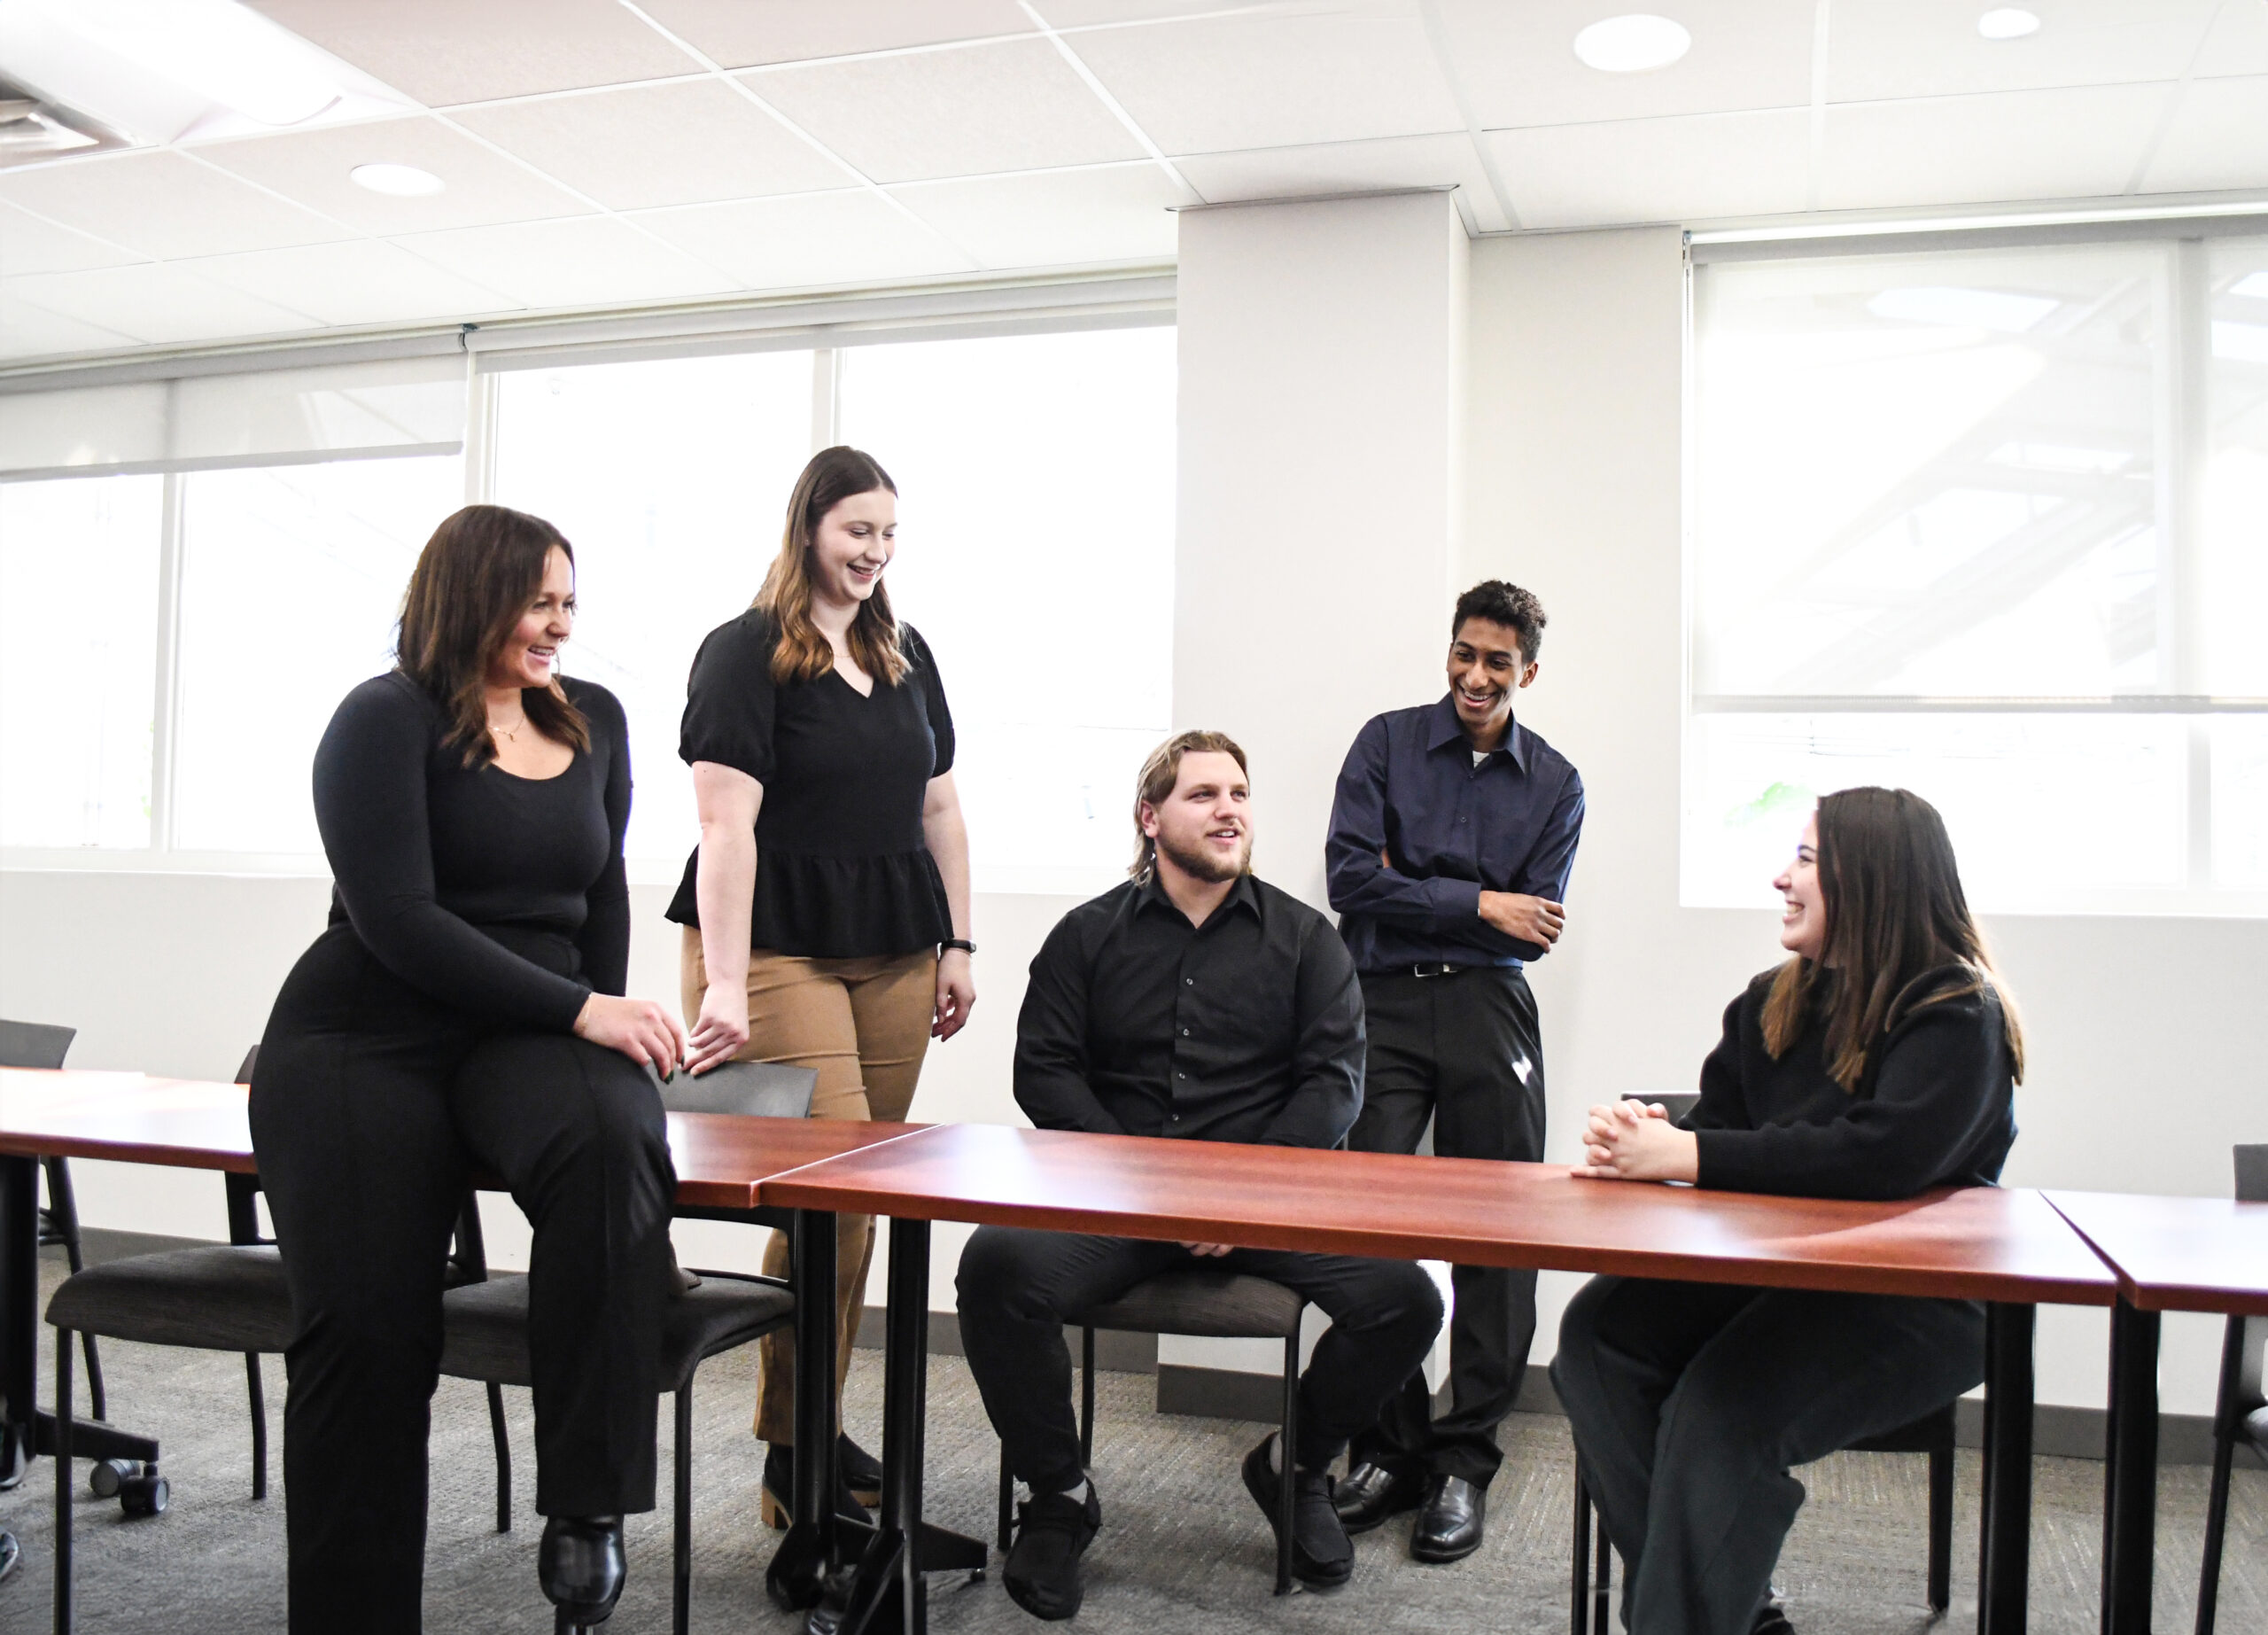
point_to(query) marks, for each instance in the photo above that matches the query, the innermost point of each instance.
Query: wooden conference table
(2170, 1255)
(721, 1160)
(2006, 1247)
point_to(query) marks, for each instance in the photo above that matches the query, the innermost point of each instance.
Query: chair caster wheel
(109, 1476)
(144, 1495)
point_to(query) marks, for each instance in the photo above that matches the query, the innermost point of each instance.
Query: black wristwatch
(962, 943)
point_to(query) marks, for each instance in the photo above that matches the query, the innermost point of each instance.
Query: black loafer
(10, 1553)
(1322, 1557)
(1448, 1527)
(1771, 1619)
(861, 1471)
(1369, 1493)
(1052, 1532)
(582, 1568)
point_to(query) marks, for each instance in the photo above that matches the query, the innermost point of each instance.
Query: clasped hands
(1629, 1141)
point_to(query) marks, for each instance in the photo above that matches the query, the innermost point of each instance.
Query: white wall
(1320, 545)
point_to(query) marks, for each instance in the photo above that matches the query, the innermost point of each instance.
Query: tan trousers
(863, 1024)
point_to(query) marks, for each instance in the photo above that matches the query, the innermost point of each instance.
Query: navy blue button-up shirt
(1411, 793)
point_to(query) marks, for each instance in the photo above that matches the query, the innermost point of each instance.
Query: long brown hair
(1895, 912)
(476, 576)
(803, 653)
(1156, 780)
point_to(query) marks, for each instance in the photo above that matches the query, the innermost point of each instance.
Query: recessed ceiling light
(399, 181)
(2008, 22)
(1632, 44)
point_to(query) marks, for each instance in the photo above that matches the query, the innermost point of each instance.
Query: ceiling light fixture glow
(397, 181)
(2008, 22)
(1637, 44)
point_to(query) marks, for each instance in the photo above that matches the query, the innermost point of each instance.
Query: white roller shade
(342, 411)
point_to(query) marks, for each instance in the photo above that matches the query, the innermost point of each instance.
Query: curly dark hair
(1504, 604)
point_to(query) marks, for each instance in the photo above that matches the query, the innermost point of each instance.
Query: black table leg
(797, 1576)
(2004, 1567)
(2131, 1473)
(19, 1314)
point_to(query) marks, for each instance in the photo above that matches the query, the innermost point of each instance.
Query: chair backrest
(754, 1089)
(35, 1044)
(1679, 1102)
(244, 1074)
(2252, 1174)
(2252, 1188)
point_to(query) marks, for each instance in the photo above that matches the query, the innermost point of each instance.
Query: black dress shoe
(582, 1568)
(1052, 1532)
(1771, 1619)
(1448, 1527)
(10, 1553)
(1322, 1557)
(779, 1493)
(861, 1471)
(1370, 1493)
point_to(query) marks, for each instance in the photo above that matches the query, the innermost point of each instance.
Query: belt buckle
(1437, 970)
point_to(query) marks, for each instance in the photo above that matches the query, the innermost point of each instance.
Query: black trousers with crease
(1465, 1051)
(1014, 1287)
(1691, 1403)
(369, 1102)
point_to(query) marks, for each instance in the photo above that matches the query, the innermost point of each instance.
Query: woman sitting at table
(1877, 1063)
(461, 1011)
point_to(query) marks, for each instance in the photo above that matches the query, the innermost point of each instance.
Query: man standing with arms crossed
(1452, 834)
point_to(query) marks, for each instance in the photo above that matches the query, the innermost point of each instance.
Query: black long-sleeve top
(1936, 1106)
(1247, 1027)
(502, 896)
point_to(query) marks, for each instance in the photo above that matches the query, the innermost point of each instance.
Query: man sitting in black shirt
(1193, 1003)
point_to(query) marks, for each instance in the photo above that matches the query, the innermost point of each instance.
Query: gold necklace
(512, 731)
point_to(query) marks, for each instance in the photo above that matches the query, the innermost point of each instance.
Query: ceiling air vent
(34, 128)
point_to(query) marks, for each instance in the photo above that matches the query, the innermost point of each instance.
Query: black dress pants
(1016, 1285)
(1463, 1050)
(1690, 1402)
(369, 1102)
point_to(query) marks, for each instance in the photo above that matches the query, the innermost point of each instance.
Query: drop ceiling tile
(2218, 138)
(973, 110)
(586, 261)
(1692, 168)
(2076, 142)
(1084, 13)
(1056, 218)
(693, 142)
(2237, 43)
(444, 52)
(364, 282)
(29, 332)
(162, 304)
(1879, 50)
(741, 34)
(164, 204)
(1349, 168)
(30, 245)
(481, 185)
(1275, 79)
(807, 240)
(1519, 67)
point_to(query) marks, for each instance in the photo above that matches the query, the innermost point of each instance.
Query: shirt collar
(1443, 729)
(1243, 894)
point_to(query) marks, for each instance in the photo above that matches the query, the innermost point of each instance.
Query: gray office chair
(1933, 1434)
(1202, 1300)
(2241, 1411)
(485, 1320)
(40, 1044)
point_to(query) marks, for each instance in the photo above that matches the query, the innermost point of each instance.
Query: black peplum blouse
(842, 869)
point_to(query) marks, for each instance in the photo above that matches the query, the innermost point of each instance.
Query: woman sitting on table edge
(1878, 1062)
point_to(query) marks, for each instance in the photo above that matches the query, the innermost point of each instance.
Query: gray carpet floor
(1183, 1548)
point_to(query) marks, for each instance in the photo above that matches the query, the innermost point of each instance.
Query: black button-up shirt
(1247, 1028)
(1410, 792)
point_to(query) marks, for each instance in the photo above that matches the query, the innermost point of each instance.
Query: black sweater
(1936, 1106)
(503, 897)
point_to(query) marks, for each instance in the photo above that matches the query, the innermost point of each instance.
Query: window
(79, 561)
(1984, 523)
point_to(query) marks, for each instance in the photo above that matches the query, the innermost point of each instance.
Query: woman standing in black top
(463, 1011)
(826, 911)
(1877, 1063)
